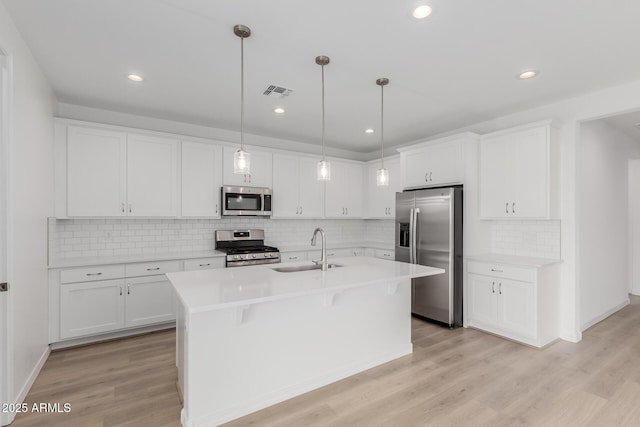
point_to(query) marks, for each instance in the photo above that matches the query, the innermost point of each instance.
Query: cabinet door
(414, 172)
(261, 169)
(496, 180)
(531, 172)
(311, 191)
(286, 203)
(516, 303)
(149, 300)
(152, 176)
(343, 193)
(201, 180)
(381, 201)
(91, 308)
(483, 299)
(444, 163)
(96, 172)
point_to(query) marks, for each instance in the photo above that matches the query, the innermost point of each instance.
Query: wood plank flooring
(462, 377)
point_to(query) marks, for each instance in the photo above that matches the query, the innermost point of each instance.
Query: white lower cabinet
(149, 300)
(92, 302)
(519, 303)
(88, 308)
(204, 263)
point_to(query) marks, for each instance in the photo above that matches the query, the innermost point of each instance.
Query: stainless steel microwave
(246, 201)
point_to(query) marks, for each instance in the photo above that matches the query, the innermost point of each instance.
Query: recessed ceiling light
(422, 11)
(368, 130)
(278, 110)
(135, 78)
(527, 74)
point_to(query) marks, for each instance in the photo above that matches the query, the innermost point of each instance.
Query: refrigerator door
(404, 208)
(433, 296)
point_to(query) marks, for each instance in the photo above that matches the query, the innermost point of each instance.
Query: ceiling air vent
(279, 91)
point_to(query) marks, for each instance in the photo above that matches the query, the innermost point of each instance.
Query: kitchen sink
(303, 268)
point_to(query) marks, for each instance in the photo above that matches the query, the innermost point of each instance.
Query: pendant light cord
(242, 93)
(382, 126)
(323, 112)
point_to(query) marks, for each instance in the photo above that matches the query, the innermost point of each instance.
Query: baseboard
(606, 314)
(75, 342)
(22, 395)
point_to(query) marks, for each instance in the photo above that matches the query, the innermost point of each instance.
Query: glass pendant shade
(324, 170)
(241, 162)
(382, 178)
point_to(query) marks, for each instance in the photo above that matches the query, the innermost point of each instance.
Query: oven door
(240, 201)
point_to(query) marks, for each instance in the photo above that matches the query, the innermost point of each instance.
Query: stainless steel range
(245, 247)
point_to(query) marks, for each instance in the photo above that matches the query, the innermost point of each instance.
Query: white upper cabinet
(96, 172)
(112, 173)
(201, 179)
(297, 191)
(381, 201)
(433, 164)
(152, 176)
(344, 192)
(261, 169)
(516, 177)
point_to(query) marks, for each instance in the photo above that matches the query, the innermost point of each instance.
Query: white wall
(603, 223)
(634, 225)
(30, 202)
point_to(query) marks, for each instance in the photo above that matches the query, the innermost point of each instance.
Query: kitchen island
(250, 337)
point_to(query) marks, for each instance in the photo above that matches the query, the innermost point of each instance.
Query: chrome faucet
(323, 258)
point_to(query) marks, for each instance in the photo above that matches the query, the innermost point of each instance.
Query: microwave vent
(279, 91)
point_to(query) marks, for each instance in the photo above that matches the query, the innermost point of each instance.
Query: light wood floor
(454, 378)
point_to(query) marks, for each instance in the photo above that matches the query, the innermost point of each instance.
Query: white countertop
(206, 290)
(124, 259)
(513, 260)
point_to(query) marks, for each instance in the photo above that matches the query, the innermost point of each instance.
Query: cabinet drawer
(151, 268)
(293, 256)
(384, 254)
(204, 263)
(523, 274)
(90, 274)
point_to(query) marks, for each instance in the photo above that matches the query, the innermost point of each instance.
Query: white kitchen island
(250, 337)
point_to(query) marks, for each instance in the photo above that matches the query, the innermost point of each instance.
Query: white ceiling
(456, 68)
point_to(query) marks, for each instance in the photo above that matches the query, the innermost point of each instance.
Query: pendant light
(382, 177)
(324, 167)
(242, 159)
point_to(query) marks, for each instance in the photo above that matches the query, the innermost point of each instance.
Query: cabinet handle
(293, 257)
(216, 208)
(128, 288)
(297, 210)
(342, 211)
(387, 255)
(347, 210)
(122, 207)
(330, 254)
(94, 274)
(120, 289)
(513, 207)
(430, 176)
(493, 287)
(300, 210)
(426, 176)
(205, 265)
(500, 288)
(506, 207)
(497, 271)
(153, 269)
(130, 208)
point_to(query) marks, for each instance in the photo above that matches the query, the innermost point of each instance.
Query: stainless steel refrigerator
(429, 232)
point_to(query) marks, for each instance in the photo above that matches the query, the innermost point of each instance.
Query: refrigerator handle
(411, 232)
(414, 235)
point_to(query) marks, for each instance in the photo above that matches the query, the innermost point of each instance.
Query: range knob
(266, 255)
(254, 256)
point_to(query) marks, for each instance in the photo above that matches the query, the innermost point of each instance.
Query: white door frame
(6, 323)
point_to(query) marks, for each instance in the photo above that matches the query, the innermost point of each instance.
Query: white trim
(606, 314)
(6, 318)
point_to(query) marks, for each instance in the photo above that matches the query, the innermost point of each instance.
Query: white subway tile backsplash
(73, 238)
(539, 239)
